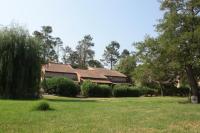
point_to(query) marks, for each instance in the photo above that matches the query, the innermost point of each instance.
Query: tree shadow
(71, 100)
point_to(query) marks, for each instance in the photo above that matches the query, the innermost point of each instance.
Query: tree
(111, 54)
(179, 35)
(156, 69)
(176, 50)
(49, 44)
(20, 64)
(127, 65)
(70, 57)
(59, 46)
(125, 53)
(95, 63)
(84, 51)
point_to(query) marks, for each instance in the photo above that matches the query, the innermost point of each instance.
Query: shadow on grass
(71, 100)
(184, 102)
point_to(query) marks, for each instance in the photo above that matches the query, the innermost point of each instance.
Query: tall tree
(49, 44)
(156, 68)
(58, 48)
(111, 54)
(179, 35)
(125, 53)
(177, 48)
(70, 57)
(127, 65)
(84, 51)
(20, 64)
(95, 63)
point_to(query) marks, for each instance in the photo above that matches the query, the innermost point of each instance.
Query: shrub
(50, 85)
(125, 91)
(169, 90)
(66, 87)
(43, 106)
(133, 92)
(146, 91)
(93, 90)
(86, 86)
(61, 86)
(120, 90)
(101, 91)
(182, 91)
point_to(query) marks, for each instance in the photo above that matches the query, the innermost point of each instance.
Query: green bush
(125, 91)
(120, 90)
(171, 90)
(182, 91)
(146, 91)
(66, 87)
(133, 92)
(61, 86)
(101, 91)
(93, 90)
(43, 106)
(50, 85)
(86, 86)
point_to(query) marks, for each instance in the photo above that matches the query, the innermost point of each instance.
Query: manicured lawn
(100, 115)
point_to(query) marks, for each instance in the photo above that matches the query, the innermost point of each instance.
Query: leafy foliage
(50, 45)
(127, 65)
(93, 90)
(20, 64)
(125, 91)
(43, 106)
(66, 87)
(111, 54)
(61, 86)
(84, 51)
(95, 63)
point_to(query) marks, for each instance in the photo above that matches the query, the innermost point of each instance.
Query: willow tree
(20, 65)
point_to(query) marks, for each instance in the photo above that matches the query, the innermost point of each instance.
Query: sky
(124, 21)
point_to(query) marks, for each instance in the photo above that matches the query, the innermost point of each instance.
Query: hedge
(90, 89)
(61, 86)
(125, 91)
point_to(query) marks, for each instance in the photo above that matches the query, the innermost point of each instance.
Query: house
(59, 70)
(95, 75)
(113, 76)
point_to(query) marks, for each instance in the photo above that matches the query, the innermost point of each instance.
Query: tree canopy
(20, 64)
(111, 54)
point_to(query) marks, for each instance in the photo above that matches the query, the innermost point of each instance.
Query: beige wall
(68, 75)
(118, 79)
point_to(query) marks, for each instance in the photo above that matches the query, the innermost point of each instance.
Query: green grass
(100, 115)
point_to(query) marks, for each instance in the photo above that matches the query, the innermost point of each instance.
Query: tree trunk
(193, 84)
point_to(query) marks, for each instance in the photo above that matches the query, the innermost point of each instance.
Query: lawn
(100, 115)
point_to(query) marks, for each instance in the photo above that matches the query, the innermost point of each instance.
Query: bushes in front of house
(171, 90)
(60, 86)
(125, 91)
(147, 91)
(89, 89)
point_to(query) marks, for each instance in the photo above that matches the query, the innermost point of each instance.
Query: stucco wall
(68, 75)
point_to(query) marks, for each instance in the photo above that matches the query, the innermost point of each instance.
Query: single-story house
(95, 75)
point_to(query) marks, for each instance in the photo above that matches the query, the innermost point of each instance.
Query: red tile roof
(98, 75)
(59, 68)
(90, 74)
(107, 72)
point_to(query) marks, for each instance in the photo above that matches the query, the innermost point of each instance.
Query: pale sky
(125, 21)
